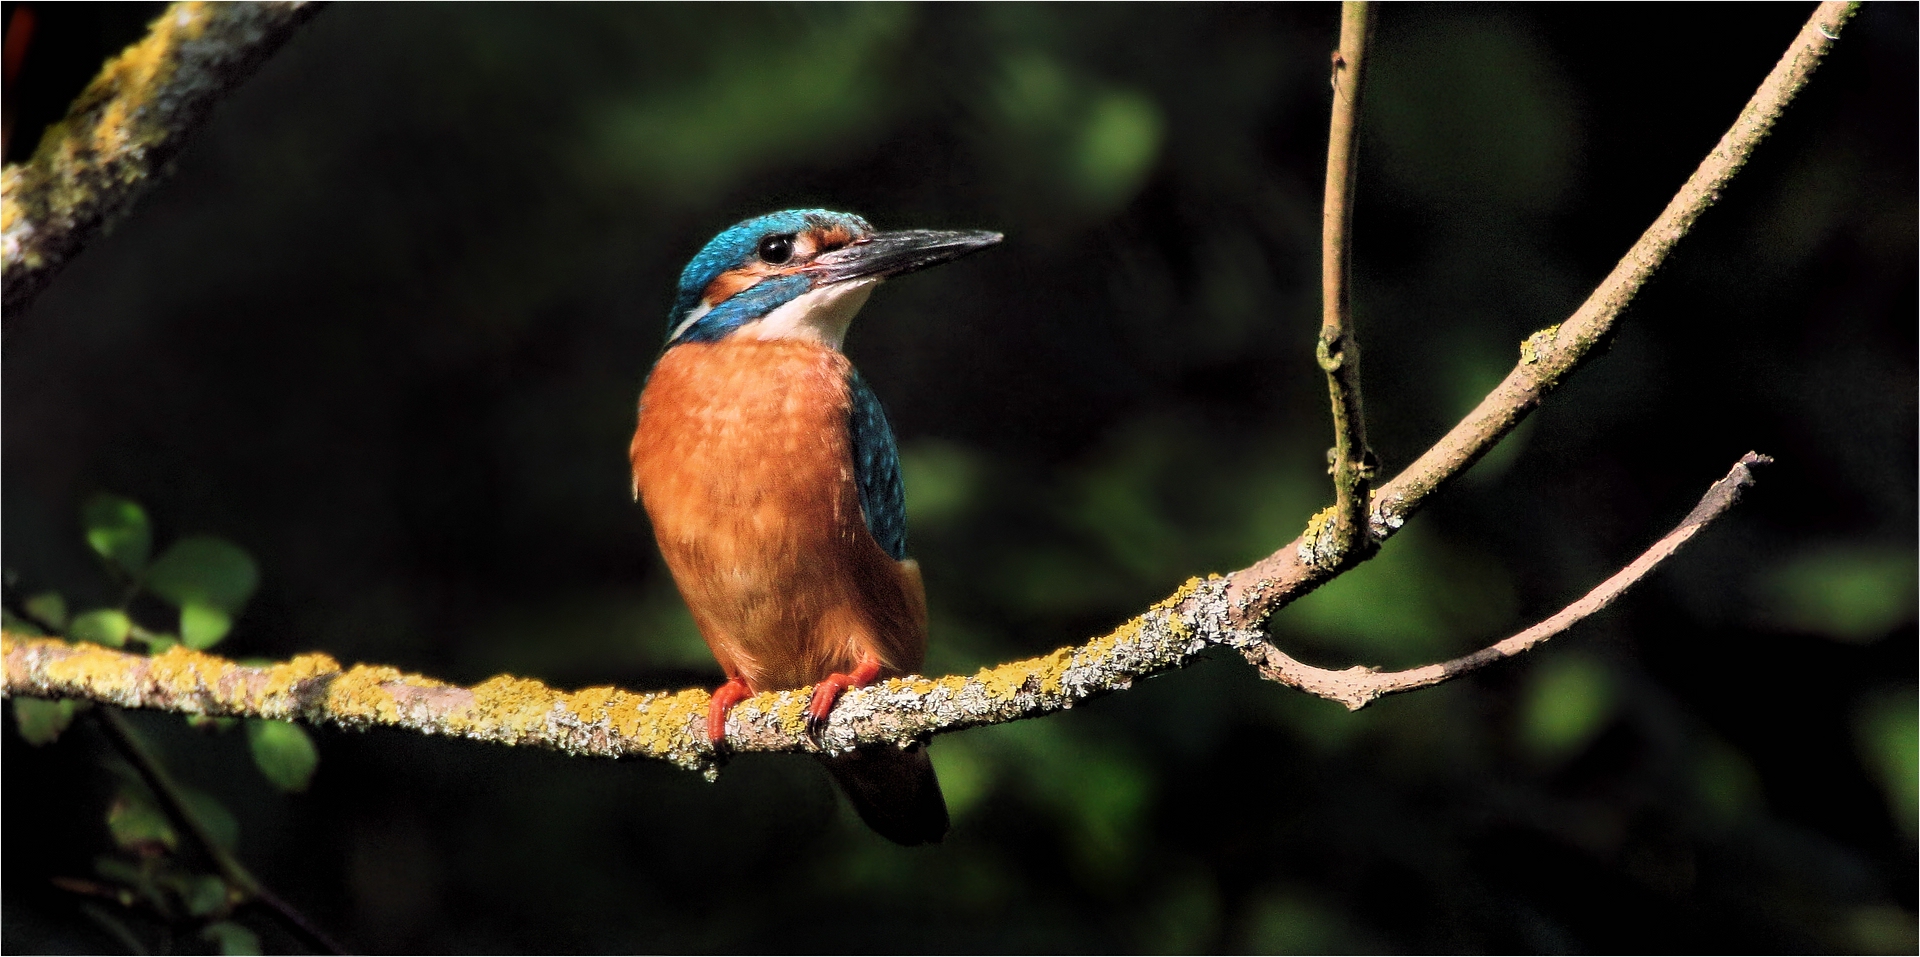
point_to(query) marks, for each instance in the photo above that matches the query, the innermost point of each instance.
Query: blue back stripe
(876, 469)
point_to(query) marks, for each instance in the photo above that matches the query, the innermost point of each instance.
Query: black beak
(894, 253)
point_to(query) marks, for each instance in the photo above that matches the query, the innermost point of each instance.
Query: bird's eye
(776, 249)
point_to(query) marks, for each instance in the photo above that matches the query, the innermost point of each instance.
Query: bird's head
(800, 274)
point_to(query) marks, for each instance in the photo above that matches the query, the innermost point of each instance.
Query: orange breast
(744, 464)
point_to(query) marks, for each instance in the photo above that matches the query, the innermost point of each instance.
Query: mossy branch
(121, 132)
(1226, 610)
(608, 722)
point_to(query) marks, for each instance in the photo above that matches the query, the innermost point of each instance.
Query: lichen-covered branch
(1357, 687)
(119, 134)
(1343, 539)
(1550, 355)
(1229, 611)
(608, 722)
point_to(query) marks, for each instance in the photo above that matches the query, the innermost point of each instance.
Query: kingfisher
(770, 474)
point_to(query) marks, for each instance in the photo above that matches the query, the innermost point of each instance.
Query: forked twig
(1550, 355)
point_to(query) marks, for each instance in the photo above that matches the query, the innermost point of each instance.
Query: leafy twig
(160, 781)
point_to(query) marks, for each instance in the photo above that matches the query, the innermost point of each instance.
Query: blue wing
(876, 469)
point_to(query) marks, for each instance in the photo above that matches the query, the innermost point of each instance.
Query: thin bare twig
(120, 133)
(1343, 539)
(1550, 355)
(1357, 687)
(160, 781)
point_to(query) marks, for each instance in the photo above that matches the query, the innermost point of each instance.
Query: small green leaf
(231, 937)
(204, 570)
(103, 626)
(151, 878)
(202, 626)
(49, 609)
(204, 894)
(156, 642)
(118, 871)
(134, 822)
(117, 529)
(40, 720)
(212, 815)
(283, 752)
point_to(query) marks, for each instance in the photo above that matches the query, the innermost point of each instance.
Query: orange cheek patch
(734, 281)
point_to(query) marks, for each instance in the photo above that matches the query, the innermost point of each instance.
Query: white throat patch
(693, 316)
(821, 315)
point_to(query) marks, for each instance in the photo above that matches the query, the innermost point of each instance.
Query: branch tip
(1358, 686)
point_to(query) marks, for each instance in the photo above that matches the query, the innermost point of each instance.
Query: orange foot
(724, 698)
(827, 692)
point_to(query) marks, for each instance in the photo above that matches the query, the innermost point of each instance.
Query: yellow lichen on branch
(1226, 611)
(606, 721)
(317, 689)
(119, 133)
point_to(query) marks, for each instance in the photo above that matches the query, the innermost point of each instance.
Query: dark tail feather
(894, 791)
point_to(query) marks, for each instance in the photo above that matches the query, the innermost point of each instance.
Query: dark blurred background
(385, 324)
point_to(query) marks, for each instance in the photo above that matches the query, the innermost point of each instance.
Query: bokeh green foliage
(153, 878)
(148, 875)
(446, 241)
(206, 578)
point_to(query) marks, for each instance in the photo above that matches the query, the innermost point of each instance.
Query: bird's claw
(820, 706)
(724, 698)
(827, 692)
